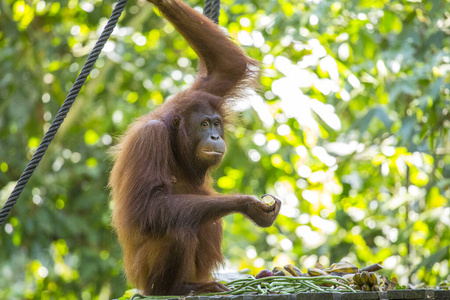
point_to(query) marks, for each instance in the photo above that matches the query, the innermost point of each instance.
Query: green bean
(139, 296)
(284, 285)
(340, 284)
(240, 280)
(259, 289)
(239, 290)
(276, 289)
(314, 286)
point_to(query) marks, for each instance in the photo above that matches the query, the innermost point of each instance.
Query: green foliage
(350, 129)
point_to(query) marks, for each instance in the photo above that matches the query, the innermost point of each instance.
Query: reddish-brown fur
(166, 213)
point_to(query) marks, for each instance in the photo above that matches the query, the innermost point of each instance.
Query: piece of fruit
(277, 271)
(268, 200)
(373, 268)
(373, 279)
(365, 288)
(357, 279)
(365, 277)
(293, 270)
(316, 272)
(319, 266)
(264, 273)
(343, 267)
(349, 278)
(375, 288)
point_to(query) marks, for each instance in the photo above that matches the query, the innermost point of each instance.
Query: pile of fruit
(339, 277)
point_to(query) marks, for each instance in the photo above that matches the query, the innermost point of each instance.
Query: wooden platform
(390, 295)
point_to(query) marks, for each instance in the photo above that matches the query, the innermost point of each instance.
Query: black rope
(212, 10)
(62, 113)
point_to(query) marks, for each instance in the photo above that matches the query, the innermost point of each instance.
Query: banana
(319, 266)
(365, 288)
(316, 272)
(357, 279)
(365, 277)
(373, 268)
(375, 288)
(328, 284)
(373, 279)
(293, 270)
(277, 271)
(342, 267)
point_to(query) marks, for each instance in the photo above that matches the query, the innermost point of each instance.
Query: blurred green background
(350, 128)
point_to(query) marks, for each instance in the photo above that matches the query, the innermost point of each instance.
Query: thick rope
(62, 113)
(212, 10)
